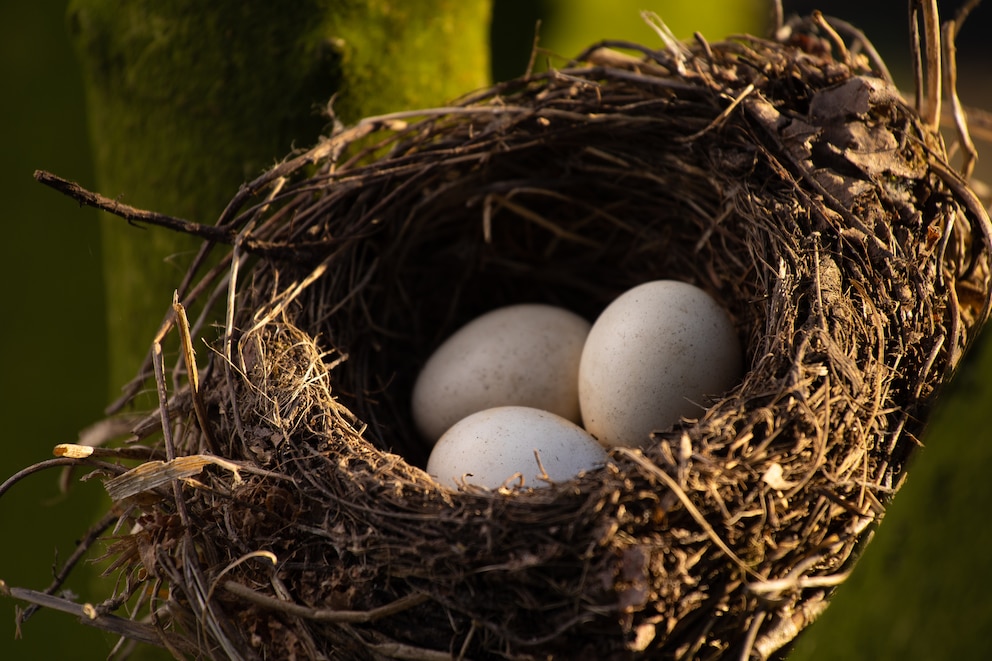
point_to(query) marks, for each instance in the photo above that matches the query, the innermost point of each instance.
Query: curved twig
(325, 614)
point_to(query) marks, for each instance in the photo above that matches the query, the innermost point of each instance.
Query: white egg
(521, 355)
(489, 447)
(655, 354)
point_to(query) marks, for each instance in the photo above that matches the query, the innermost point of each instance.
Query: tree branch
(132, 214)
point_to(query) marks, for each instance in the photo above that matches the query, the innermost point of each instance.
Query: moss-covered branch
(187, 100)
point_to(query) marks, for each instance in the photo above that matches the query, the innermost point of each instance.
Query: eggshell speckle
(654, 355)
(520, 355)
(488, 447)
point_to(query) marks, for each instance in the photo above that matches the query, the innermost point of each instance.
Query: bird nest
(285, 512)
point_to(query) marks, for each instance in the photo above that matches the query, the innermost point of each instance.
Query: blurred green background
(921, 592)
(52, 353)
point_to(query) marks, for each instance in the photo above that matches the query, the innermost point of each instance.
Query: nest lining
(800, 190)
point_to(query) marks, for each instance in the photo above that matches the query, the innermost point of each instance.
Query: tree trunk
(187, 100)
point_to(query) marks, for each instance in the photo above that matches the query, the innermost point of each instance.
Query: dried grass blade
(189, 357)
(155, 474)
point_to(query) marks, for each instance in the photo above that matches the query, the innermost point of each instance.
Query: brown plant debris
(285, 513)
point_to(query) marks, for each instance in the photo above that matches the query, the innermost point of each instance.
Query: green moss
(188, 100)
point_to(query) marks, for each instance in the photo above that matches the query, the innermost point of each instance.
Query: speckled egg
(520, 355)
(657, 353)
(489, 447)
